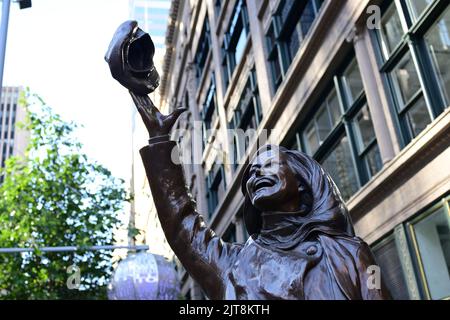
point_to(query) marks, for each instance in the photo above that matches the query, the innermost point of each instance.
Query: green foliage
(54, 196)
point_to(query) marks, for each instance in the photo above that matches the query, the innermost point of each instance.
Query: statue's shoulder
(352, 244)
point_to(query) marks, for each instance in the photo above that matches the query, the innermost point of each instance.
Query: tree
(54, 196)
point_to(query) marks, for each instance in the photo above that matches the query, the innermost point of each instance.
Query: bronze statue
(302, 243)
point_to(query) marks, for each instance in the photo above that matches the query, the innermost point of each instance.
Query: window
(414, 59)
(235, 39)
(215, 184)
(246, 117)
(388, 259)
(203, 48)
(438, 44)
(430, 233)
(419, 6)
(217, 7)
(340, 134)
(415, 258)
(289, 26)
(4, 154)
(209, 112)
(339, 164)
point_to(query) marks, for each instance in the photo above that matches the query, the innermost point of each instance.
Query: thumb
(173, 117)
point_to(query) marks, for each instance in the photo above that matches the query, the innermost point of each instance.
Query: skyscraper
(152, 16)
(13, 141)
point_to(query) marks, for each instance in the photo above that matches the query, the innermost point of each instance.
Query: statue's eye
(252, 171)
(270, 163)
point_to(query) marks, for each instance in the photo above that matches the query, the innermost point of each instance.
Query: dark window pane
(203, 48)
(293, 44)
(388, 260)
(323, 123)
(216, 187)
(276, 70)
(234, 40)
(438, 42)
(418, 117)
(217, 6)
(246, 116)
(433, 240)
(307, 18)
(406, 80)
(209, 112)
(391, 30)
(373, 161)
(286, 7)
(334, 108)
(311, 138)
(353, 82)
(340, 166)
(271, 39)
(365, 133)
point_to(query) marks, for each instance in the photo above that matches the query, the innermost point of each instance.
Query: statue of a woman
(302, 243)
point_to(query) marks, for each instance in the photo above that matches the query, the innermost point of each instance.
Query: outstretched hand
(156, 123)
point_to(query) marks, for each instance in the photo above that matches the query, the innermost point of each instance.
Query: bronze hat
(130, 58)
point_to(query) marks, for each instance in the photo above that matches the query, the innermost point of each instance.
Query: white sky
(57, 48)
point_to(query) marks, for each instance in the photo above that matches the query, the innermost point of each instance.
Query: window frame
(443, 203)
(413, 43)
(278, 51)
(209, 112)
(242, 116)
(238, 23)
(345, 126)
(212, 186)
(204, 43)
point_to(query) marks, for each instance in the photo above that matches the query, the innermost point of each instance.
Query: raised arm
(204, 255)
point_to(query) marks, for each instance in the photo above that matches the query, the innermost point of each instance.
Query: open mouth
(263, 183)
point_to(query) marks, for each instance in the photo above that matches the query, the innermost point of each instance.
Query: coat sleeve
(204, 255)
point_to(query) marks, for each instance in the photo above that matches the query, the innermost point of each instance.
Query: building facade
(152, 17)
(363, 86)
(13, 141)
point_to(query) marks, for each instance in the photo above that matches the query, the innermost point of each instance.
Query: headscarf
(326, 213)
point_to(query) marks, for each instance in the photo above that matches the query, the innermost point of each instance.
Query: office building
(363, 86)
(13, 141)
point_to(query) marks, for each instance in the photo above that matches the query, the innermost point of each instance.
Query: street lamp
(23, 4)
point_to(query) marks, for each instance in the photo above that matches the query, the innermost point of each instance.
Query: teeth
(263, 183)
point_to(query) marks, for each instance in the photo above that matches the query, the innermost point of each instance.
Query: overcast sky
(57, 48)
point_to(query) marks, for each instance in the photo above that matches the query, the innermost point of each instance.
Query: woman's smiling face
(272, 184)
